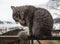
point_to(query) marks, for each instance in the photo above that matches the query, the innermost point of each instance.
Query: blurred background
(7, 23)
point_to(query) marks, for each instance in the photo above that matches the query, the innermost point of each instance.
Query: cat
(39, 20)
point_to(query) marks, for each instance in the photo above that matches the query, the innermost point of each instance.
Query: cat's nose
(17, 22)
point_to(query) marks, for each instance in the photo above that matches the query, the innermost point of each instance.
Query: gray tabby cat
(39, 20)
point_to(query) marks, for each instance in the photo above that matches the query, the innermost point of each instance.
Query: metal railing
(17, 37)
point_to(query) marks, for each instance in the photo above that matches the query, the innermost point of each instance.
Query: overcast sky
(6, 12)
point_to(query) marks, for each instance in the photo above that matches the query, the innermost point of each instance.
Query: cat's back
(43, 16)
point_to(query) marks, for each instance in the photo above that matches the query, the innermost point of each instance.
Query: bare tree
(53, 4)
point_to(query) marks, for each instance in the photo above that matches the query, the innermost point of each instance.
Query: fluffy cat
(39, 20)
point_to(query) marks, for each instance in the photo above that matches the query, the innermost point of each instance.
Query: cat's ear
(13, 8)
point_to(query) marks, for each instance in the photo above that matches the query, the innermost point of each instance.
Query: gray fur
(39, 20)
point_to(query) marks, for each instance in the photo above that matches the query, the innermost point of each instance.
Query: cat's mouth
(22, 22)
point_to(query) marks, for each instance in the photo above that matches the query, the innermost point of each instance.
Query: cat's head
(19, 14)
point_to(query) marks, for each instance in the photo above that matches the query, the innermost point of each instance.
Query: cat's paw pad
(23, 35)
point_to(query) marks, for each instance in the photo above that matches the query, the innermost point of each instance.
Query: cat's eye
(22, 15)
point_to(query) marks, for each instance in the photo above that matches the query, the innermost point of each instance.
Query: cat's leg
(22, 35)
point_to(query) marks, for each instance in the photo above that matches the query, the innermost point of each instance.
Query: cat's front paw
(23, 35)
